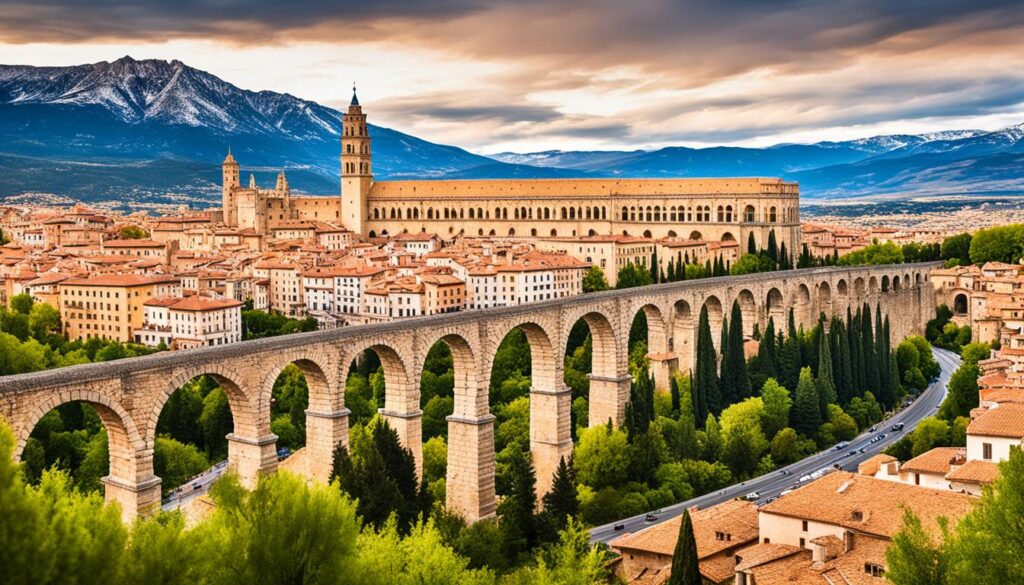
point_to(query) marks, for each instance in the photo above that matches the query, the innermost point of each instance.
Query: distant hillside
(154, 132)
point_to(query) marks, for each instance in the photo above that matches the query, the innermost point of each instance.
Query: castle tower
(356, 171)
(229, 173)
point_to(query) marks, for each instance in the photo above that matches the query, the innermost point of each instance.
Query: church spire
(355, 99)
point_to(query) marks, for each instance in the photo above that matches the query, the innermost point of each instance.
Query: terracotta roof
(975, 471)
(762, 553)
(874, 463)
(1006, 420)
(937, 460)
(197, 303)
(120, 280)
(736, 518)
(140, 243)
(866, 504)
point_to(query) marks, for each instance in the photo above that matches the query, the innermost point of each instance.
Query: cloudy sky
(528, 75)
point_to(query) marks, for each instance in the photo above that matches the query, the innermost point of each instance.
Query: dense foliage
(984, 548)
(284, 531)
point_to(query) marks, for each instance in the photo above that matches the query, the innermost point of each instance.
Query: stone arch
(657, 340)
(684, 335)
(467, 380)
(695, 235)
(885, 283)
(802, 304)
(125, 443)
(896, 283)
(647, 233)
(859, 288)
(728, 237)
(960, 304)
(320, 373)
(672, 234)
(607, 398)
(842, 289)
(775, 308)
(824, 296)
(748, 308)
(873, 285)
(715, 317)
(245, 409)
(917, 279)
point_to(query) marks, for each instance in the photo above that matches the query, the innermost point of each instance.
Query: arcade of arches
(129, 395)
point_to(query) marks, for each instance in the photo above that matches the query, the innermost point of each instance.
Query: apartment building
(110, 306)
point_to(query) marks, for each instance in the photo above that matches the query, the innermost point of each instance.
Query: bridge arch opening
(859, 288)
(299, 385)
(198, 413)
(448, 386)
(873, 285)
(842, 289)
(802, 305)
(88, 439)
(824, 296)
(748, 309)
(885, 283)
(530, 407)
(590, 371)
(715, 319)
(684, 335)
(896, 283)
(776, 306)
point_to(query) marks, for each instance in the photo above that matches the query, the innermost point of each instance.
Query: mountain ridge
(92, 131)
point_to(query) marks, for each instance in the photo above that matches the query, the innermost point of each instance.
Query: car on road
(862, 450)
(873, 429)
(897, 427)
(852, 453)
(785, 472)
(619, 527)
(842, 445)
(752, 497)
(804, 478)
(881, 436)
(876, 438)
(650, 518)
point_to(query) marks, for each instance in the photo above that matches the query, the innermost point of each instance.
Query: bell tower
(229, 173)
(356, 169)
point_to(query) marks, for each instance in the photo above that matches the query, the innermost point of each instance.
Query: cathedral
(713, 209)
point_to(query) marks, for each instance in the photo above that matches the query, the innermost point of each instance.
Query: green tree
(914, 558)
(685, 565)
(133, 232)
(1003, 243)
(957, 248)
(176, 462)
(594, 280)
(516, 510)
(561, 502)
(706, 393)
(826, 385)
(963, 393)
(602, 457)
(805, 416)
(930, 433)
(777, 404)
(284, 531)
(216, 423)
(743, 441)
(735, 378)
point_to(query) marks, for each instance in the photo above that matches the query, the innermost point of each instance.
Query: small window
(802, 543)
(805, 526)
(986, 451)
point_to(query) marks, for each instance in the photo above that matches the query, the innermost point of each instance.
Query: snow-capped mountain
(157, 130)
(137, 112)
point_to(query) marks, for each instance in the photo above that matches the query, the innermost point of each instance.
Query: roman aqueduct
(130, 394)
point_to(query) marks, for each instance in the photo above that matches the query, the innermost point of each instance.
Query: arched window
(772, 215)
(728, 213)
(572, 213)
(650, 214)
(748, 214)
(657, 213)
(721, 214)
(625, 214)
(472, 213)
(430, 213)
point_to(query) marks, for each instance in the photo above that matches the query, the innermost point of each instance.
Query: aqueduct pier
(130, 394)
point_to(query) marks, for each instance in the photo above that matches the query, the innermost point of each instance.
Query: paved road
(194, 487)
(772, 484)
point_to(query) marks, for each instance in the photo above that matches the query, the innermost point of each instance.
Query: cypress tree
(706, 397)
(789, 362)
(680, 266)
(773, 248)
(766, 351)
(655, 273)
(561, 502)
(856, 360)
(805, 416)
(751, 244)
(785, 262)
(871, 380)
(723, 341)
(735, 379)
(826, 382)
(671, 272)
(685, 566)
(673, 388)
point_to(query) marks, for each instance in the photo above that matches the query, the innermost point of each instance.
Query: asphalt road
(772, 484)
(194, 488)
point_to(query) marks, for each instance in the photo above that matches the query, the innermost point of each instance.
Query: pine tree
(561, 502)
(685, 566)
(516, 510)
(805, 416)
(706, 397)
(826, 382)
(751, 244)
